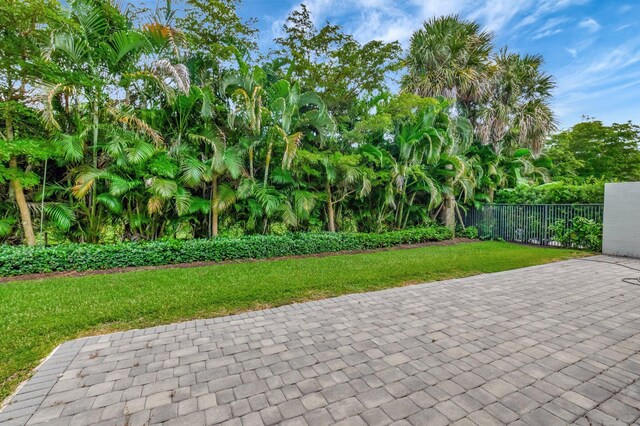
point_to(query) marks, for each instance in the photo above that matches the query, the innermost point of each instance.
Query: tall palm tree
(517, 109)
(449, 57)
(207, 160)
(244, 93)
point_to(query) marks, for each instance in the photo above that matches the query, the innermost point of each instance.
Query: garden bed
(18, 260)
(46, 275)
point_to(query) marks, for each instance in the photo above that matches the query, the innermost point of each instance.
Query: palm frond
(72, 147)
(226, 197)
(163, 188)
(178, 73)
(6, 226)
(112, 203)
(60, 214)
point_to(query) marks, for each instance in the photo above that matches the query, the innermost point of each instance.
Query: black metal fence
(527, 223)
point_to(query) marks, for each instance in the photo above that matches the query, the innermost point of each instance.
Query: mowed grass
(37, 315)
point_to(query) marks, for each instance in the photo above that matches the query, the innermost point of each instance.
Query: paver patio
(545, 345)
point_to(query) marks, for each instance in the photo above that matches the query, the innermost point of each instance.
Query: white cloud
(497, 14)
(550, 28)
(625, 8)
(590, 24)
(600, 77)
(546, 7)
(624, 27)
(388, 20)
(572, 52)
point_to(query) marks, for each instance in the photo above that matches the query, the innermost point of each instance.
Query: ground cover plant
(20, 260)
(37, 315)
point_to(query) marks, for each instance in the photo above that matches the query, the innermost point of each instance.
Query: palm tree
(26, 28)
(208, 159)
(449, 142)
(292, 114)
(245, 103)
(94, 56)
(517, 108)
(449, 57)
(509, 167)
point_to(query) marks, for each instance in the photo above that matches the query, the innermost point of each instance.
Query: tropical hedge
(553, 193)
(121, 125)
(20, 260)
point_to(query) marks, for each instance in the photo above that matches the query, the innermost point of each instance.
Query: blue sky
(591, 47)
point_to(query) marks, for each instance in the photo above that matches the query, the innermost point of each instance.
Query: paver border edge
(42, 380)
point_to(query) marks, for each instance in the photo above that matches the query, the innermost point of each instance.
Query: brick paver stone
(545, 345)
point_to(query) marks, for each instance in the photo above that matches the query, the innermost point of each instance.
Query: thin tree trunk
(251, 162)
(214, 207)
(406, 216)
(400, 213)
(18, 191)
(25, 214)
(448, 214)
(266, 165)
(330, 209)
(93, 225)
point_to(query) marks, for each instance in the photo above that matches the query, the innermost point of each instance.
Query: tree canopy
(593, 150)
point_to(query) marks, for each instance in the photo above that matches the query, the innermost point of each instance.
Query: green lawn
(36, 316)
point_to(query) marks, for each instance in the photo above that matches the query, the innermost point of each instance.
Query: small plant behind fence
(541, 224)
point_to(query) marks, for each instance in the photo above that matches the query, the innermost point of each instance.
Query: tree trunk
(406, 216)
(18, 191)
(266, 165)
(330, 211)
(214, 207)
(251, 162)
(400, 213)
(25, 214)
(93, 220)
(447, 214)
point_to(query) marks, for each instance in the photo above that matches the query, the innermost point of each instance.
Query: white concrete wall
(622, 219)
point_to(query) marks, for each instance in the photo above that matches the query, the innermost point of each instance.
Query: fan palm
(449, 57)
(517, 109)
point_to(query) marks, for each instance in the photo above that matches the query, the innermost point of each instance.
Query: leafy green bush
(82, 257)
(581, 233)
(468, 232)
(553, 193)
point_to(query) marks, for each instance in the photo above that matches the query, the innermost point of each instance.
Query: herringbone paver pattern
(546, 345)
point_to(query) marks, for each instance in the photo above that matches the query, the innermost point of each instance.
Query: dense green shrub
(82, 257)
(581, 233)
(467, 232)
(553, 193)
